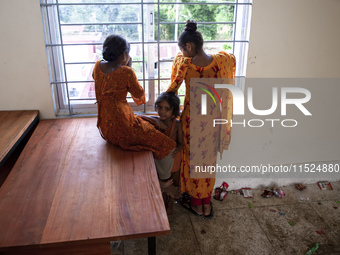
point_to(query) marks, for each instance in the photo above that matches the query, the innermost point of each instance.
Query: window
(75, 31)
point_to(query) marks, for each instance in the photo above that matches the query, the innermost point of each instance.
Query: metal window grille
(76, 29)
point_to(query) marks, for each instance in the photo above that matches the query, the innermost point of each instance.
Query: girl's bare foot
(207, 209)
(173, 191)
(198, 209)
(165, 184)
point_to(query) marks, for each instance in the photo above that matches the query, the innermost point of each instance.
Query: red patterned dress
(116, 120)
(222, 66)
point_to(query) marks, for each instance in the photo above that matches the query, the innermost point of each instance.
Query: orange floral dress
(222, 66)
(117, 122)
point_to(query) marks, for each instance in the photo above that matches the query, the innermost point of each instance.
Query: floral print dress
(222, 66)
(117, 122)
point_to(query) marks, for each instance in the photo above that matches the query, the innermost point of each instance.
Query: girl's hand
(129, 63)
(177, 150)
(161, 125)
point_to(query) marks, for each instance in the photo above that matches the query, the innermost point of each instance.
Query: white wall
(23, 67)
(294, 39)
(291, 39)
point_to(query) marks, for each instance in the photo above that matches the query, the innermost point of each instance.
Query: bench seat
(15, 130)
(71, 191)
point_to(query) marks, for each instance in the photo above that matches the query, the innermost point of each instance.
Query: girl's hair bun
(114, 46)
(190, 26)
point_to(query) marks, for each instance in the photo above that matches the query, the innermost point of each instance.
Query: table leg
(152, 245)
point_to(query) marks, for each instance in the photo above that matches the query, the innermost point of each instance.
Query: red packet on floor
(300, 186)
(224, 186)
(218, 192)
(279, 192)
(325, 185)
(247, 192)
(221, 192)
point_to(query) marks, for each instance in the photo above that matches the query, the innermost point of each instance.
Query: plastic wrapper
(221, 192)
(300, 186)
(224, 186)
(304, 199)
(314, 249)
(320, 231)
(217, 193)
(223, 195)
(325, 185)
(247, 192)
(238, 191)
(267, 193)
(279, 193)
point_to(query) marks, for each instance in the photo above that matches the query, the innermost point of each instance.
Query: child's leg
(173, 191)
(165, 183)
(175, 176)
(164, 167)
(169, 203)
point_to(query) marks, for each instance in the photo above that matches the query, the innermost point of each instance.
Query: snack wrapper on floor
(247, 192)
(221, 192)
(267, 193)
(279, 193)
(217, 194)
(300, 186)
(325, 185)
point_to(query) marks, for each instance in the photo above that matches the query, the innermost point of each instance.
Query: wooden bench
(71, 192)
(15, 129)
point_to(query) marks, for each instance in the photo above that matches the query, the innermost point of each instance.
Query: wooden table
(71, 192)
(14, 125)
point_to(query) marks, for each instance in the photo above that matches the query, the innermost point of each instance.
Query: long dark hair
(172, 99)
(190, 35)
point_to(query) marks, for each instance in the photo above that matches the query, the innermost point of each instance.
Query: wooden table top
(13, 125)
(70, 185)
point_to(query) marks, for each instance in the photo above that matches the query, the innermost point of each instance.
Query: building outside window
(75, 31)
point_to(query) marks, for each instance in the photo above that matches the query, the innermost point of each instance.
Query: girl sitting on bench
(117, 123)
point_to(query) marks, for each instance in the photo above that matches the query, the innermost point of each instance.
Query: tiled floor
(236, 228)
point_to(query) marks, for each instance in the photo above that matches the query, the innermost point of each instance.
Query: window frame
(64, 105)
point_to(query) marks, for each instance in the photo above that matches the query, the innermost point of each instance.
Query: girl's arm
(178, 72)
(135, 89)
(180, 139)
(155, 121)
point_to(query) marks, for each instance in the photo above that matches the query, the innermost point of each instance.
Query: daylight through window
(76, 29)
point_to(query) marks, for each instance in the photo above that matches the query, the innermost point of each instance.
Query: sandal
(185, 202)
(211, 214)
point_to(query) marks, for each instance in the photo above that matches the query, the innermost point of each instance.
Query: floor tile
(297, 239)
(330, 212)
(317, 194)
(234, 201)
(231, 231)
(181, 240)
(248, 226)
